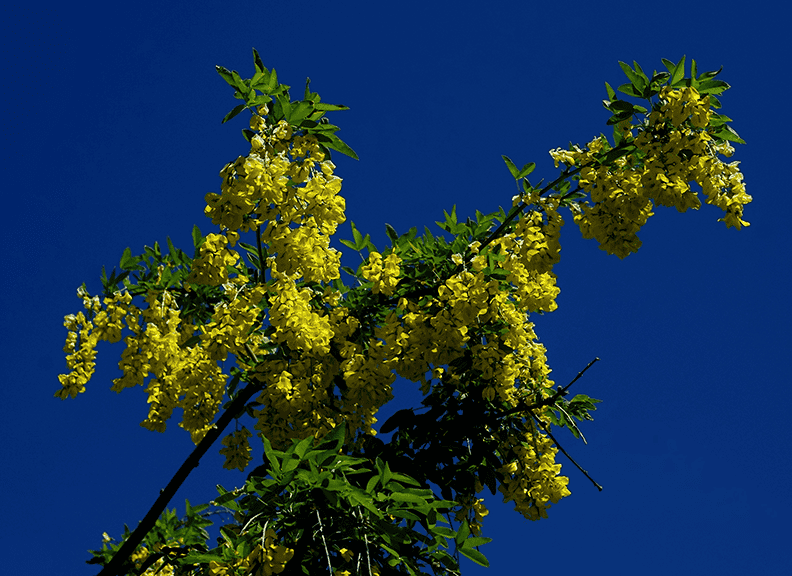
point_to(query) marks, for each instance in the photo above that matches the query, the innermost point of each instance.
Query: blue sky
(114, 137)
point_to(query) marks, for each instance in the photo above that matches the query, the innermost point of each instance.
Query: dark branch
(118, 561)
(550, 400)
(547, 431)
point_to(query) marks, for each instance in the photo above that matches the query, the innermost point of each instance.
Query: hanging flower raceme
(384, 273)
(531, 478)
(236, 449)
(674, 149)
(85, 332)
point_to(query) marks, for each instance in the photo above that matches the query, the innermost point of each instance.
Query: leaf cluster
(648, 88)
(319, 502)
(308, 115)
(173, 540)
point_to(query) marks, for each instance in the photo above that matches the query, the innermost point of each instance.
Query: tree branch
(564, 175)
(118, 561)
(547, 431)
(550, 399)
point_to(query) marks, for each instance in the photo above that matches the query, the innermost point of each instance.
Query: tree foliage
(313, 354)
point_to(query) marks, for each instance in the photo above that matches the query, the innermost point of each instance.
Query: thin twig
(255, 358)
(327, 552)
(522, 205)
(260, 254)
(562, 391)
(547, 431)
(522, 407)
(365, 539)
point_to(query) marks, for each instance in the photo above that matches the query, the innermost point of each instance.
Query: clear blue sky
(112, 123)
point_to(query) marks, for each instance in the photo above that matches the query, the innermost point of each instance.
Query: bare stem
(550, 400)
(547, 431)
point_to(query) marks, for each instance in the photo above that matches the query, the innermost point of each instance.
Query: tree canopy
(263, 325)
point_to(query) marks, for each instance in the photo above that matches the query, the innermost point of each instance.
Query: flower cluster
(159, 567)
(236, 449)
(286, 189)
(674, 148)
(264, 560)
(83, 336)
(473, 510)
(531, 477)
(383, 273)
(211, 266)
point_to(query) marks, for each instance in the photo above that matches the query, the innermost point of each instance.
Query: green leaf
(636, 79)
(357, 236)
(511, 166)
(127, 261)
(658, 78)
(367, 243)
(330, 107)
(712, 87)
(610, 91)
(226, 75)
(269, 453)
(172, 250)
(257, 61)
(238, 82)
(197, 237)
(462, 533)
(525, 170)
(405, 497)
(273, 82)
(444, 531)
(386, 475)
(393, 236)
(234, 112)
(640, 72)
(406, 514)
(451, 218)
(302, 446)
(728, 133)
(335, 143)
(360, 499)
(711, 74)
(678, 73)
(225, 497)
(621, 105)
(629, 89)
(475, 541)
(334, 439)
(298, 113)
(372, 484)
(475, 555)
(616, 118)
(405, 479)
(291, 464)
